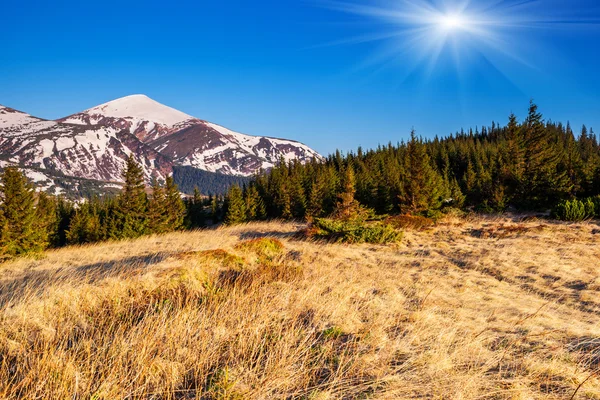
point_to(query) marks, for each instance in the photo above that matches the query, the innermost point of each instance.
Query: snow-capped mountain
(93, 152)
(94, 144)
(190, 141)
(140, 115)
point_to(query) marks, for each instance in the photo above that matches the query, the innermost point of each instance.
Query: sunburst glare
(452, 22)
(433, 33)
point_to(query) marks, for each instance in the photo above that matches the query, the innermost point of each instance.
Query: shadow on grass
(33, 283)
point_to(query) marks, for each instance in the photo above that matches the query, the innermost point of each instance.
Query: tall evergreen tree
(544, 182)
(235, 209)
(157, 210)
(21, 233)
(86, 225)
(516, 150)
(255, 206)
(423, 186)
(174, 205)
(46, 218)
(131, 212)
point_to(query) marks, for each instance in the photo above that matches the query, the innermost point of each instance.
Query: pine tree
(132, 207)
(316, 197)
(20, 230)
(85, 226)
(456, 195)
(46, 218)
(543, 182)
(423, 186)
(174, 205)
(215, 210)
(65, 212)
(235, 206)
(255, 206)
(348, 208)
(157, 211)
(515, 155)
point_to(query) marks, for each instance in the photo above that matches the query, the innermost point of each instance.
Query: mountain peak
(139, 106)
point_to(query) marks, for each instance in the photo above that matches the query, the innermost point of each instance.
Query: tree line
(32, 221)
(528, 165)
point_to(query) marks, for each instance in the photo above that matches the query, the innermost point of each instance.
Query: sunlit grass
(469, 308)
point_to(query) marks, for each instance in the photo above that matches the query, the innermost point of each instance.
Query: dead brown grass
(468, 309)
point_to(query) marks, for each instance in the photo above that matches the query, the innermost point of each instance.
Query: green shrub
(574, 210)
(354, 231)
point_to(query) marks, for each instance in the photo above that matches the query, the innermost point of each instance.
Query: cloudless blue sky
(297, 69)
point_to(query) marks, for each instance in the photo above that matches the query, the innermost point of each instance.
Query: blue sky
(309, 70)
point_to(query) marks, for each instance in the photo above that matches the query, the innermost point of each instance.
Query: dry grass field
(474, 308)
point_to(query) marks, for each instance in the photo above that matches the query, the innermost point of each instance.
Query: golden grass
(468, 309)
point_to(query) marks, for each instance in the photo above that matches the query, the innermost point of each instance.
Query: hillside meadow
(472, 308)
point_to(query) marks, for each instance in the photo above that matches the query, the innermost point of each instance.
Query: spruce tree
(65, 212)
(174, 205)
(516, 150)
(316, 196)
(255, 206)
(132, 206)
(47, 220)
(86, 225)
(544, 183)
(348, 208)
(157, 211)
(215, 210)
(235, 206)
(21, 233)
(423, 186)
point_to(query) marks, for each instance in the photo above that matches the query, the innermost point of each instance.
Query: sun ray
(423, 30)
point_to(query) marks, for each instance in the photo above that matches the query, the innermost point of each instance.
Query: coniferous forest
(529, 165)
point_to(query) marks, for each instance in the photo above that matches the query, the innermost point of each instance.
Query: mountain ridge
(95, 143)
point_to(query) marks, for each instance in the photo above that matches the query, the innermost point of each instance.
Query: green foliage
(354, 232)
(130, 216)
(46, 219)
(174, 206)
(423, 187)
(574, 210)
(254, 205)
(235, 207)
(528, 165)
(86, 225)
(25, 226)
(545, 178)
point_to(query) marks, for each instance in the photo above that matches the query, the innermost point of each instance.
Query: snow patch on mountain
(94, 144)
(137, 109)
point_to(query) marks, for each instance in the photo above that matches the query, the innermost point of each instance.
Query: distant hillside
(209, 183)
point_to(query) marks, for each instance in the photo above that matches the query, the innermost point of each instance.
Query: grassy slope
(469, 309)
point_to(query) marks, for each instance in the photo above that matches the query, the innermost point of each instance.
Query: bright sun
(452, 22)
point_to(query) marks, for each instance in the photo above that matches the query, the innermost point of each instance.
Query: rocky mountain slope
(189, 141)
(95, 143)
